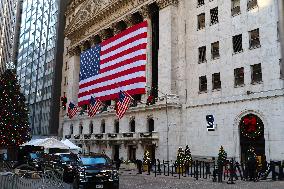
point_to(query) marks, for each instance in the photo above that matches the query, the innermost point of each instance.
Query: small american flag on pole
(73, 109)
(123, 104)
(94, 106)
(118, 63)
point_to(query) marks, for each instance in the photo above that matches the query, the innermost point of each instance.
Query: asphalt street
(133, 181)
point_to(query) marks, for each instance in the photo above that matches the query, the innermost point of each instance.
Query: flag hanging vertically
(118, 63)
(94, 106)
(122, 104)
(73, 109)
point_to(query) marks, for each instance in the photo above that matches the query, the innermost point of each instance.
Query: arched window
(132, 125)
(71, 129)
(151, 126)
(91, 127)
(103, 126)
(80, 129)
(116, 126)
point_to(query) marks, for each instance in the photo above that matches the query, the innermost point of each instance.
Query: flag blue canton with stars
(90, 62)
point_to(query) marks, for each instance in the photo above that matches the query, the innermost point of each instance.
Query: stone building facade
(208, 58)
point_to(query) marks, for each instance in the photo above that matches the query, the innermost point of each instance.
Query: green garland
(251, 126)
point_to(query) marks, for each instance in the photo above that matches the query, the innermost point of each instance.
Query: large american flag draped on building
(118, 63)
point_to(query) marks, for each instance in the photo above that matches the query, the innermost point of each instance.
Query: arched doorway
(251, 135)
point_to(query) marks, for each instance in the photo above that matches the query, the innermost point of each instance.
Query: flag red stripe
(123, 63)
(125, 32)
(113, 76)
(113, 86)
(125, 52)
(124, 43)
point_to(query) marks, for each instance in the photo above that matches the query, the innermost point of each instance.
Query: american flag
(94, 106)
(118, 63)
(123, 104)
(73, 109)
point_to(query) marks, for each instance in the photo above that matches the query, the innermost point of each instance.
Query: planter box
(128, 166)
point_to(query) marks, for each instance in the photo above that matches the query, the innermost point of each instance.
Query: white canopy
(70, 144)
(47, 143)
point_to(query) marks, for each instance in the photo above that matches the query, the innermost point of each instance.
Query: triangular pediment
(87, 11)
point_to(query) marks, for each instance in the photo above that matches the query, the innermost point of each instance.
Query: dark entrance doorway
(132, 153)
(252, 135)
(152, 150)
(115, 152)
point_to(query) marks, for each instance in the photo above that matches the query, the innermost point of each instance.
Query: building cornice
(93, 16)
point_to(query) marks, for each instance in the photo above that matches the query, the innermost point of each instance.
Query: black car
(68, 162)
(95, 171)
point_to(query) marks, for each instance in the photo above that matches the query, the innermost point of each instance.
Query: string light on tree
(14, 124)
(222, 156)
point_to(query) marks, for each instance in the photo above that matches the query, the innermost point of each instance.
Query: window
(216, 81)
(71, 129)
(254, 39)
(215, 50)
(214, 16)
(200, 2)
(91, 129)
(278, 31)
(237, 43)
(65, 81)
(252, 4)
(256, 75)
(236, 9)
(201, 21)
(202, 84)
(132, 125)
(202, 54)
(281, 69)
(239, 76)
(103, 126)
(80, 128)
(116, 126)
(151, 126)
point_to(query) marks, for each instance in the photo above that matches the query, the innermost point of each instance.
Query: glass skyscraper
(39, 61)
(8, 33)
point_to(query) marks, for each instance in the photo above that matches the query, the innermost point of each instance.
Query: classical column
(73, 75)
(167, 43)
(146, 14)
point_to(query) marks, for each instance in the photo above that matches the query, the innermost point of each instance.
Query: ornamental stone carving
(95, 15)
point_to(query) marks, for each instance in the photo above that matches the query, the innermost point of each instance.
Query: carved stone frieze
(164, 3)
(95, 15)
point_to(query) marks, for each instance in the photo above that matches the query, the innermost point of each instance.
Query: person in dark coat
(117, 164)
(139, 166)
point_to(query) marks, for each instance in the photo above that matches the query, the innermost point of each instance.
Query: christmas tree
(187, 155)
(180, 157)
(146, 158)
(222, 156)
(14, 122)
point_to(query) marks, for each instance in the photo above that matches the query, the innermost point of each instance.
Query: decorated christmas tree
(146, 158)
(180, 157)
(222, 156)
(187, 155)
(14, 122)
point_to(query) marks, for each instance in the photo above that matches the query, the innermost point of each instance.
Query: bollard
(272, 165)
(196, 170)
(155, 164)
(164, 167)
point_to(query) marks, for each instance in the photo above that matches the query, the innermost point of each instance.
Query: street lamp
(281, 27)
